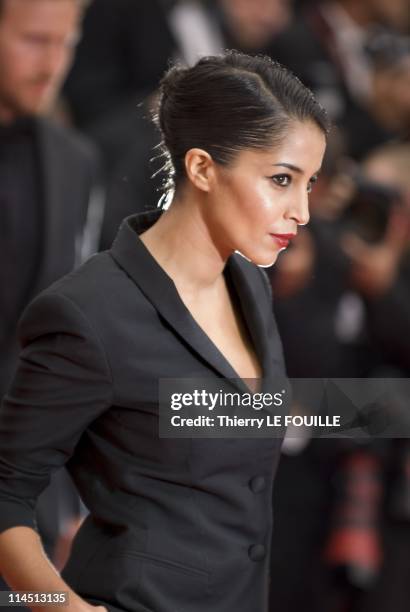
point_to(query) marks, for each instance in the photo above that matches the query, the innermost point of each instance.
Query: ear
(199, 167)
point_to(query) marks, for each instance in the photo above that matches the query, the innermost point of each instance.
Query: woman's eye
(283, 180)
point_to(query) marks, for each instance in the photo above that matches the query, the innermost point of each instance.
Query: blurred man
(205, 28)
(391, 84)
(49, 200)
(37, 41)
(47, 174)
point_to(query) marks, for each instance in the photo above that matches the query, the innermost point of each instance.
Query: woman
(175, 525)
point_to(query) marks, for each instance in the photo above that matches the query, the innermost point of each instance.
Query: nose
(299, 210)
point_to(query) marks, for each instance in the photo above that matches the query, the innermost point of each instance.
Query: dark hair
(226, 103)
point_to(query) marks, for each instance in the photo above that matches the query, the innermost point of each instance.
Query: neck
(183, 245)
(7, 116)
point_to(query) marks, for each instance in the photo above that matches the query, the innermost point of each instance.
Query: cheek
(8, 62)
(265, 207)
(67, 59)
(256, 200)
(249, 202)
(20, 63)
(14, 80)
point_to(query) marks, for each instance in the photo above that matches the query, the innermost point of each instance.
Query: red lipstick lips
(283, 239)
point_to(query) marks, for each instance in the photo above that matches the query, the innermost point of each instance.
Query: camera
(368, 211)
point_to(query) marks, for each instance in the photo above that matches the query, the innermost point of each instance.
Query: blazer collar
(132, 255)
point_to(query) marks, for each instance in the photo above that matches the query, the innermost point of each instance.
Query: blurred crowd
(78, 153)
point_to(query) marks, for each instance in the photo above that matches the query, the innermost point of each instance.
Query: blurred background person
(342, 529)
(390, 105)
(373, 481)
(380, 254)
(326, 46)
(203, 27)
(51, 201)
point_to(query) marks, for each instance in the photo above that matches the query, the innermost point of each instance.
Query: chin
(267, 263)
(263, 261)
(32, 108)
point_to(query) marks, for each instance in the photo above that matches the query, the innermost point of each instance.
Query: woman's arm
(25, 567)
(63, 383)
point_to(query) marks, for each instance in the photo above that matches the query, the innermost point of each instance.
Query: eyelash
(277, 177)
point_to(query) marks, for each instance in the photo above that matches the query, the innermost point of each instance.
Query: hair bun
(170, 82)
(168, 87)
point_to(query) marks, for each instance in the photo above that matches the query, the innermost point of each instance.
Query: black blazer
(72, 206)
(72, 210)
(175, 525)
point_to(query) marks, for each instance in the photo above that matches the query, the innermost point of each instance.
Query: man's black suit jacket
(175, 525)
(71, 215)
(72, 209)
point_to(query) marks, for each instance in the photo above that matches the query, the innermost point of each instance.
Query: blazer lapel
(131, 254)
(248, 292)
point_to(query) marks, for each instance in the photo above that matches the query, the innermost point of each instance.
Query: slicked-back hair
(228, 103)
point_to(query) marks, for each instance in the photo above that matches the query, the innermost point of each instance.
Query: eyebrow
(294, 168)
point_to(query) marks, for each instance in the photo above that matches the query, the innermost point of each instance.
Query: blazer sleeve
(62, 383)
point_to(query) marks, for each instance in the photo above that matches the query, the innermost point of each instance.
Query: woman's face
(263, 195)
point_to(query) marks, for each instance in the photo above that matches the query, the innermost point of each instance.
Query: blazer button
(257, 484)
(257, 552)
